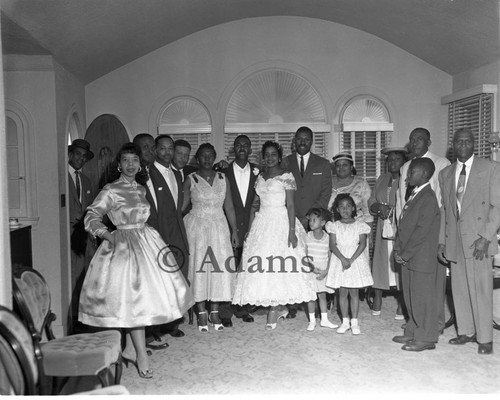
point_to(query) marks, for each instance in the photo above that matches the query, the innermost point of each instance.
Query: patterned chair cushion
(83, 354)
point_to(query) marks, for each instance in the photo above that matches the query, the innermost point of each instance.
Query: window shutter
(475, 113)
(284, 139)
(365, 148)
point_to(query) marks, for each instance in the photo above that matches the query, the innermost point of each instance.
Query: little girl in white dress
(317, 244)
(349, 268)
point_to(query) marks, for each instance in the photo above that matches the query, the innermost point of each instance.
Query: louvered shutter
(475, 113)
(284, 139)
(365, 148)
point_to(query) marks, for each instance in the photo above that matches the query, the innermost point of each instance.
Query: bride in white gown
(274, 268)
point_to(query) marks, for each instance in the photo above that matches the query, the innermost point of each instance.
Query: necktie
(302, 166)
(409, 190)
(460, 188)
(77, 182)
(410, 198)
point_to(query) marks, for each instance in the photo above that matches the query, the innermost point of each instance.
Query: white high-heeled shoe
(218, 327)
(272, 325)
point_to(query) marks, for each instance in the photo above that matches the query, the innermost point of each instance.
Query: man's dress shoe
(176, 332)
(226, 322)
(402, 339)
(462, 339)
(485, 348)
(418, 346)
(157, 344)
(247, 318)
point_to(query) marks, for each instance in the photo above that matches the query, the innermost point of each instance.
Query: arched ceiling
(93, 37)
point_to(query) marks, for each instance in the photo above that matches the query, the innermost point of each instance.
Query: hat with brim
(82, 144)
(342, 156)
(387, 150)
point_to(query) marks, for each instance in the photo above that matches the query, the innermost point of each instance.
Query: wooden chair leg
(103, 376)
(118, 370)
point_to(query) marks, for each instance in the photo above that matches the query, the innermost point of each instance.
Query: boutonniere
(256, 171)
(160, 188)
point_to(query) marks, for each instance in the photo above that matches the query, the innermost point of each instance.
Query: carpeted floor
(247, 359)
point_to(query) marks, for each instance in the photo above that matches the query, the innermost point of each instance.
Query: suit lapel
(72, 188)
(251, 185)
(473, 183)
(310, 166)
(162, 190)
(294, 167)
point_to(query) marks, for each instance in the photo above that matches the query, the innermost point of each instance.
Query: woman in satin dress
(133, 280)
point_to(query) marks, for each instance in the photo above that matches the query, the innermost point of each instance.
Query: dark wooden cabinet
(20, 246)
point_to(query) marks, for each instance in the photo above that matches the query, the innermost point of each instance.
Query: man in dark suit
(182, 151)
(164, 194)
(242, 176)
(313, 176)
(80, 197)
(415, 249)
(470, 219)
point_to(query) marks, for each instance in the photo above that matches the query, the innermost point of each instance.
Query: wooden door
(106, 134)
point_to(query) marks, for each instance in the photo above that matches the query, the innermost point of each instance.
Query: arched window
(272, 105)
(73, 128)
(20, 169)
(366, 129)
(186, 118)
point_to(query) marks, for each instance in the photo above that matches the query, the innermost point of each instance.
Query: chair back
(32, 297)
(19, 373)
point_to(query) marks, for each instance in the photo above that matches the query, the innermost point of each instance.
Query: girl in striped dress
(318, 250)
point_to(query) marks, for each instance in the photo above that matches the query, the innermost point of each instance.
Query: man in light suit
(241, 175)
(79, 198)
(420, 141)
(470, 219)
(313, 176)
(415, 250)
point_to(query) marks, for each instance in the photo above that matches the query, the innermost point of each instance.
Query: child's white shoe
(344, 327)
(312, 325)
(327, 324)
(355, 326)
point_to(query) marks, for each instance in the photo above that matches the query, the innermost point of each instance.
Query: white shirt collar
(419, 188)
(237, 168)
(162, 168)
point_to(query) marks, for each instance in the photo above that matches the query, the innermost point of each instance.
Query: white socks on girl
(324, 322)
(353, 325)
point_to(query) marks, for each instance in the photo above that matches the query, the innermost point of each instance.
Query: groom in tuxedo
(164, 194)
(313, 176)
(242, 176)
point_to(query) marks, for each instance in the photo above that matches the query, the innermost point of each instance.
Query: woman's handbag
(389, 227)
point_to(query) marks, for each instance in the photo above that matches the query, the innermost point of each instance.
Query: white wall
(46, 93)
(336, 59)
(484, 75)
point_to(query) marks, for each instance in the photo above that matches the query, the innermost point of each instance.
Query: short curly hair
(276, 145)
(205, 146)
(128, 148)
